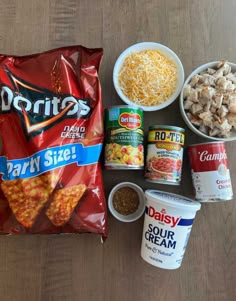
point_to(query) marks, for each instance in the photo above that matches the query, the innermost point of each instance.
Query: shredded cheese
(148, 77)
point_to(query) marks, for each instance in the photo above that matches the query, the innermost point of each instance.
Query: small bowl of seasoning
(126, 202)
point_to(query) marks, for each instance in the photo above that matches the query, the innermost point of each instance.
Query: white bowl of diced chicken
(208, 101)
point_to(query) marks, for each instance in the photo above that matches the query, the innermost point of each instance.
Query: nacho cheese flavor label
(51, 127)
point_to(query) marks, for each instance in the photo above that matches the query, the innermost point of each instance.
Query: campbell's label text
(207, 157)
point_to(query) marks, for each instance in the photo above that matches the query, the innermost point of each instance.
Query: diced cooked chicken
(189, 115)
(207, 80)
(231, 117)
(207, 93)
(199, 91)
(232, 103)
(223, 126)
(217, 100)
(187, 90)
(209, 123)
(225, 99)
(213, 109)
(203, 101)
(232, 96)
(218, 74)
(193, 96)
(218, 118)
(188, 104)
(227, 69)
(207, 105)
(195, 120)
(220, 81)
(224, 67)
(221, 64)
(205, 115)
(196, 108)
(207, 119)
(231, 77)
(214, 132)
(232, 107)
(210, 100)
(224, 84)
(194, 80)
(222, 111)
(203, 129)
(230, 86)
(210, 71)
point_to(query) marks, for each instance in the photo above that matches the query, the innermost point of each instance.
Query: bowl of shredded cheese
(148, 75)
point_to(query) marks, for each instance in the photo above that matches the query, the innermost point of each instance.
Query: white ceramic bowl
(144, 46)
(131, 217)
(182, 110)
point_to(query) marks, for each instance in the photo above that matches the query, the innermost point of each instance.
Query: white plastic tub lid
(173, 200)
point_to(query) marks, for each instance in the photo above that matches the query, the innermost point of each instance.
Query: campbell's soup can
(167, 226)
(164, 154)
(124, 138)
(210, 172)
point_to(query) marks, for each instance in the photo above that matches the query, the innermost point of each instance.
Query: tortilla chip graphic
(50, 180)
(27, 197)
(63, 204)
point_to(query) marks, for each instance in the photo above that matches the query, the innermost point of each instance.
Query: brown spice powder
(126, 200)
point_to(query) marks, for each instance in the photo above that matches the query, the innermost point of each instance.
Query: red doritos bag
(51, 129)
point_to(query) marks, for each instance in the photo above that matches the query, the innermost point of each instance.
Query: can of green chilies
(124, 138)
(164, 154)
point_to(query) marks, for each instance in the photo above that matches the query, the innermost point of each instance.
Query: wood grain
(79, 267)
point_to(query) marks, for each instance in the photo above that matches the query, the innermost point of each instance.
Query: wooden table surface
(79, 267)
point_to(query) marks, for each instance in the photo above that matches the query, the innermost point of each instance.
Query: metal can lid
(206, 143)
(124, 107)
(166, 127)
(173, 200)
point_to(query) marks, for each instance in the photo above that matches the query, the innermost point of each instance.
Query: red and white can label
(210, 172)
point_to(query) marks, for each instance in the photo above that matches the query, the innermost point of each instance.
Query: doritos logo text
(45, 107)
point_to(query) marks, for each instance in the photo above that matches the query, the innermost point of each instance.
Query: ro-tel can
(210, 172)
(124, 138)
(164, 154)
(167, 226)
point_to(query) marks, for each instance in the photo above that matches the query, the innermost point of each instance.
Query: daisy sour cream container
(167, 226)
